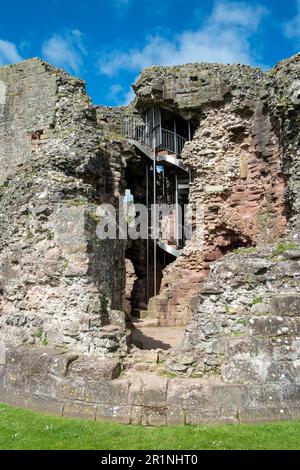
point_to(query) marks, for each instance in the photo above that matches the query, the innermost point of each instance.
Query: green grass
(25, 430)
(283, 247)
(257, 300)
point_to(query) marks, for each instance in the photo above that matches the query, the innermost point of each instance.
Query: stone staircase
(172, 306)
(148, 336)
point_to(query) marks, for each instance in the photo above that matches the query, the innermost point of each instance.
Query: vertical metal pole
(154, 210)
(160, 136)
(189, 130)
(147, 205)
(164, 202)
(163, 185)
(175, 138)
(146, 129)
(154, 222)
(177, 210)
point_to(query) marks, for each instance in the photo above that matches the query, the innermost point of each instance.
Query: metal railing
(171, 142)
(135, 129)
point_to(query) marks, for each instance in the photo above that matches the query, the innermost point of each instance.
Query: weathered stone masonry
(235, 163)
(61, 289)
(59, 283)
(61, 383)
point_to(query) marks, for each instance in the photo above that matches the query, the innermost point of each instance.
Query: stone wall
(238, 293)
(245, 323)
(59, 284)
(47, 380)
(235, 159)
(282, 87)
(112, 117)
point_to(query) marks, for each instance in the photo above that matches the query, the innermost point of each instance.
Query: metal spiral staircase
(166, 144)
(161, 146)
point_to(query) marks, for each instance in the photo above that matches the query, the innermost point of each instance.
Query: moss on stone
(78, 202)
(283, 247)
(257, 300)
(230, 310)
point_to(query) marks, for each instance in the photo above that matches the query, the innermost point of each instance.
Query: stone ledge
(20, 399)
(144, 399)
(271, 413)
(156, 416)
(73, 409)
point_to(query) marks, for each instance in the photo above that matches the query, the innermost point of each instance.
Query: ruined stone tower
(58, 281)
(236, 297)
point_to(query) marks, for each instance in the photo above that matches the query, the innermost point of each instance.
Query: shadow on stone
(145, 342)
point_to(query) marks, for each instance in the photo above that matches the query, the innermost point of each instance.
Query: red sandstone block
(196, 277)
(170, 320)
(235, 204)
(254, 197)
(236, 198)
(252, 204)
(210, 256)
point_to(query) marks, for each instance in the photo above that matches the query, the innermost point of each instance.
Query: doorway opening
(147, 257)
(157, 178)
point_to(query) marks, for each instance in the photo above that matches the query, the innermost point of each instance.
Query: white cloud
(292, 27)
(65, 50)
(224, 37)
(8, 53)
(115, 91)
(129, 97)
(119, 96)
(237, 14)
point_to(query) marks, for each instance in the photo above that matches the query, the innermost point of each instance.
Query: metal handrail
(172, 142)
(135, 129)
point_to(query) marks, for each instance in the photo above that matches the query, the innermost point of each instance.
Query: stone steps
(155, 337)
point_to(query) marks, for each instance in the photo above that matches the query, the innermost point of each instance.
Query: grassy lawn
(21, 429)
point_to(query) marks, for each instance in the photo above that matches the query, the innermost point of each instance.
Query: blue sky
(108, 42)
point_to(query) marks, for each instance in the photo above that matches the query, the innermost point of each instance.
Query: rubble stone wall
(243, 161)
(62, 289)
(59, 283)
(245, 323)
